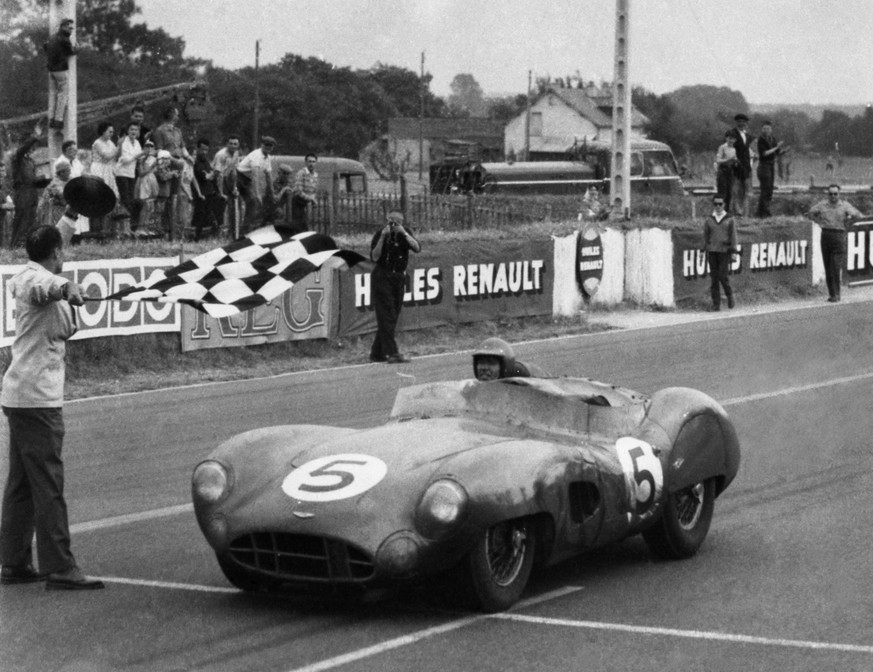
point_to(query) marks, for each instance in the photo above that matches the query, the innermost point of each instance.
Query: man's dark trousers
(719, 265)
(766, 178)
(387, 292)
(833, 250)
(34, 495)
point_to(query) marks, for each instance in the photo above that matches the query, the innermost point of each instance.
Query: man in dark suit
(742, 185)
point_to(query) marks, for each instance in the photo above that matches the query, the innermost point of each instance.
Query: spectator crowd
(163, 187)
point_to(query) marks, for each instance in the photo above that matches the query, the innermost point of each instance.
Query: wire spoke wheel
(499, 565)
(505, 546)
(689, 506)
(684, 522)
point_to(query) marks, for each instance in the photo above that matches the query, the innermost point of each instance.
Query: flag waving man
(247, 273)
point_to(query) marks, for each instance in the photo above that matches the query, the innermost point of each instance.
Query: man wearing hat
(742, 185)
(256, 170)
(390, 250)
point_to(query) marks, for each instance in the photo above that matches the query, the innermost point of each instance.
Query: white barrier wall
(568, 299)
(648, 277)
(818, 273)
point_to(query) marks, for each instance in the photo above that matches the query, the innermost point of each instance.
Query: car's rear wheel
(684, 522)
(500, 564)
(241, 578)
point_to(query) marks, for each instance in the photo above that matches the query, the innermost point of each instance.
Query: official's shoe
(72, 579)
(714, 309)
(11, 575)
(398, 359)
(378, 359)
(833, 299)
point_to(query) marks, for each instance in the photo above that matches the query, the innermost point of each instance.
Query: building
(560, 118)
(442, 138)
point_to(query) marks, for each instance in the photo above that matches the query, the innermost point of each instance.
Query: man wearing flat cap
(742, 185)
(256, 170)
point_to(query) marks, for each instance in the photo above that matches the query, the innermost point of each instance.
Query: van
(350, 175)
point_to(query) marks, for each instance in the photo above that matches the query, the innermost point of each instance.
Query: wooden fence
(360, 213)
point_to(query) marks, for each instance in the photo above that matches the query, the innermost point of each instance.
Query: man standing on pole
(58, 51)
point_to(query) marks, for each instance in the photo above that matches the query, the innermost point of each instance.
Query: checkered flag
(245, 274)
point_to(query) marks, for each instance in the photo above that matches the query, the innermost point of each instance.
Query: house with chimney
(563, 117)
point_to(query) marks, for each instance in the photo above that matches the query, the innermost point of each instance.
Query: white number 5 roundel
(643, 475)
(334, 477)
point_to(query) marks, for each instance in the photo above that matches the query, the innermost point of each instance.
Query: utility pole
(421, 124)
(255, 130)
(622, 111)
(527, 120)
(58, 10)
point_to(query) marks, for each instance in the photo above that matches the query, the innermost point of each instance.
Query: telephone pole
(527, 120)
(255, 130)
(421, 123)
(622, 111)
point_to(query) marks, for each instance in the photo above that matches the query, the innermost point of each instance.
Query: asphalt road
(782, 582)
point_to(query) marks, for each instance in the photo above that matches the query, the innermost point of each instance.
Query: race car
(481, 479)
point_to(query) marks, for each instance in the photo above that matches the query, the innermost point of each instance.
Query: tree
(115, 55)
(661, 113)
(704, 113)
(403, 88)
(466, 97)
(505, 108)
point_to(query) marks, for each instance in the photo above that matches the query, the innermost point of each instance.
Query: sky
(772, 51)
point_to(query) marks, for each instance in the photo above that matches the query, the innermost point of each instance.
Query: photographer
(390, 250)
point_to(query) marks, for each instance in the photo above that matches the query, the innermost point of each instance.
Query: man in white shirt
(256, 173)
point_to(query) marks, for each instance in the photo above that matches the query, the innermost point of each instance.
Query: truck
(653, 171)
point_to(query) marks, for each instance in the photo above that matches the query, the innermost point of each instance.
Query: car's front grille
(302, 557)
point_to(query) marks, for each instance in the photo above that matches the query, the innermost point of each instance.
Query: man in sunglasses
(719, 243)
(834, 216)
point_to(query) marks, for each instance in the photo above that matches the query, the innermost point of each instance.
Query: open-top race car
(482, 478)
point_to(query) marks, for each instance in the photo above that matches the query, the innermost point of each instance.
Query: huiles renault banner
(456, 282)
(771, 255)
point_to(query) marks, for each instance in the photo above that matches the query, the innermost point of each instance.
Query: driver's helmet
(497, 347)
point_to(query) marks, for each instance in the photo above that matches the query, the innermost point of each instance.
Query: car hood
(360, 486)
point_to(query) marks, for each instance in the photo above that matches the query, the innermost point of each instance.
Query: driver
(495, 359)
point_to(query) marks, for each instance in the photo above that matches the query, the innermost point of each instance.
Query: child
(146, 189)
(165, 172)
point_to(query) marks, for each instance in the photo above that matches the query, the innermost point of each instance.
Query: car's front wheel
(500, 564)
(684, 522)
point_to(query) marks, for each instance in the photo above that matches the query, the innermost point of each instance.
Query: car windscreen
(659, 163)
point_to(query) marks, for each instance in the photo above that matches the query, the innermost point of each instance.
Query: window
(536, 124)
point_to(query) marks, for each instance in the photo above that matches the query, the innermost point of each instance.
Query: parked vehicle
(351, 176)
(653, 171)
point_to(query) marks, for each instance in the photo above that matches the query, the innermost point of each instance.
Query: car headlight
(443, 505)
(210, 482)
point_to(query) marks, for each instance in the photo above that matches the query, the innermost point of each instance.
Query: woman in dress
(104, 154)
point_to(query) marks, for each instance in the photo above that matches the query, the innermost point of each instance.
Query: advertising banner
(456, 282)
(859, 253)
(772, 254)
(299, 314)
(102, 277)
